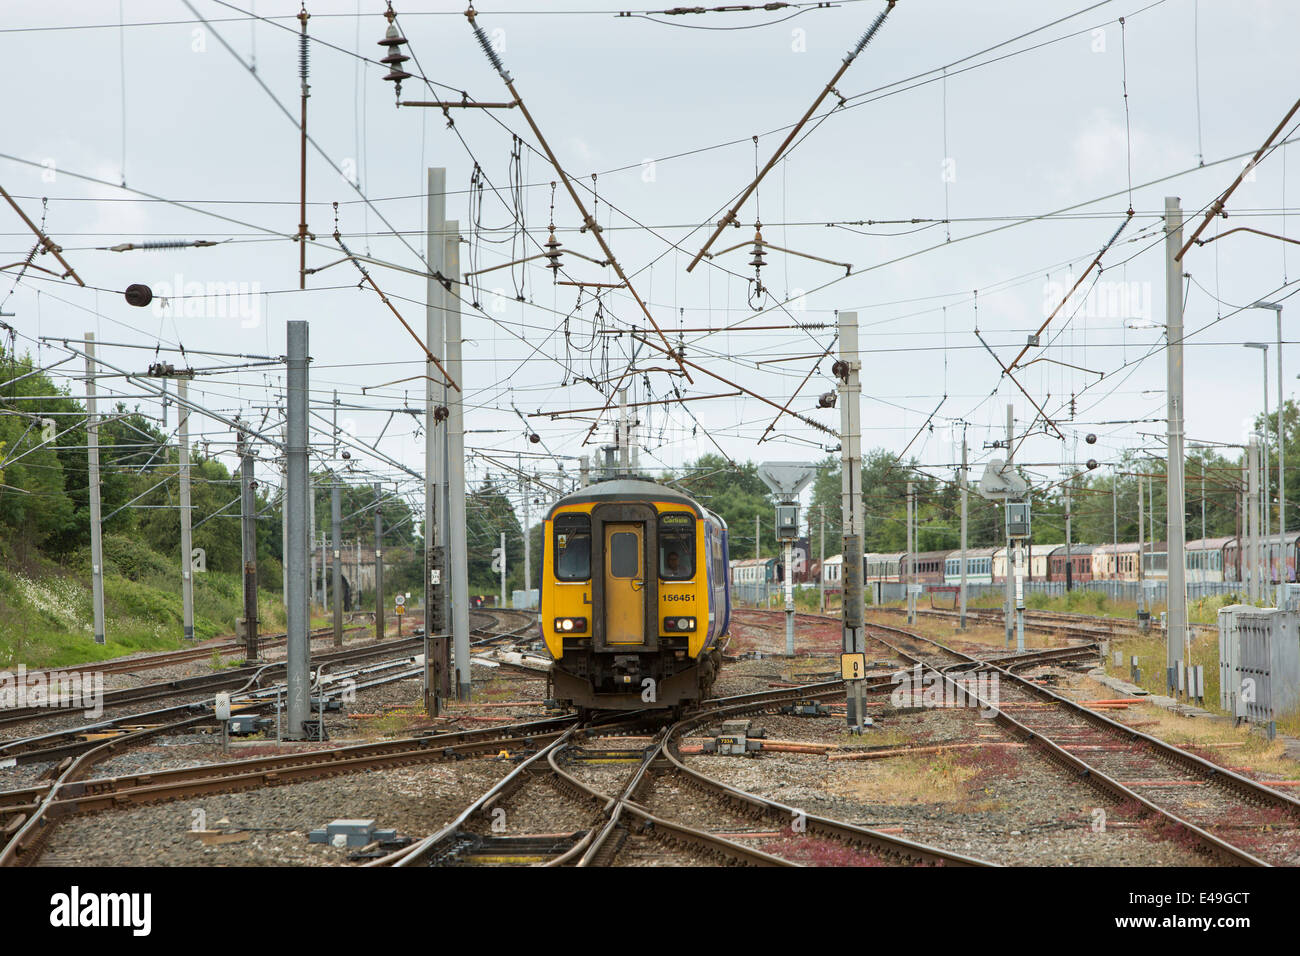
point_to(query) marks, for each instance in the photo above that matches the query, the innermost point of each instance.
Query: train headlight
(567, 625)
(679, 624)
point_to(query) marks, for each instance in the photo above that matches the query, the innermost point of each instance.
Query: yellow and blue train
(635, 597)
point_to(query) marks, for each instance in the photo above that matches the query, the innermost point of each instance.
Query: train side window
(572, 547)
(676, 546)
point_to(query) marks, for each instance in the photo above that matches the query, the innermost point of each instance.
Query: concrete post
(1141, 555)
(314, 593)
(1255, 564)
(1281, 469)
(1069, 562)
(850, 402)
(1177, 642)
(435, 337)
(457, 545)
(1008, 602)
(528, 562)
(821, 563)
(248, 545)
(379, 563)
(964, 493)
(911, 553)
(297, 496)
(789, 598)
(96, 519)
(336, 559)
(187, 536)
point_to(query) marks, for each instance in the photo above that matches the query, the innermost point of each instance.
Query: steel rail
(875, 842)
(198, 684)
(594, 846)
(420, 852)
(1092, 775)
(66, 797)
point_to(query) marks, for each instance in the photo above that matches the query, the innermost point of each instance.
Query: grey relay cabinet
(1259, 662)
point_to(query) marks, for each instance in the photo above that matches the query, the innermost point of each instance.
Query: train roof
(973, 553)
(1076, 547)
(635, 489)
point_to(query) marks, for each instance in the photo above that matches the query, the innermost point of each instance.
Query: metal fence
(1156, 592)
(890, 592)
(755, 595)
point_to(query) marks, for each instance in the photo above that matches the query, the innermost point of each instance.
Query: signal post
(787, 479)
(853, 658)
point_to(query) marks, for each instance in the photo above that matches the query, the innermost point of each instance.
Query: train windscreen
(572, 547)
(676, 547)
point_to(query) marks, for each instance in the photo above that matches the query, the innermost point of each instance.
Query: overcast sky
(1027, 150)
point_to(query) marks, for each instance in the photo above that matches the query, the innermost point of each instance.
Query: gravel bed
(641, 850)
(606, 778)
(71, 720)
(68, 720)
(537, 806)
(1006, 806)
(416, 801)
(23, 776)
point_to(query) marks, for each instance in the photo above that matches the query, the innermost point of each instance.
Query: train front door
(624, 583)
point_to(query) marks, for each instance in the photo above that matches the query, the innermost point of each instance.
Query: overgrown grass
(1150, 652)
(1204, 610)
(46, 614)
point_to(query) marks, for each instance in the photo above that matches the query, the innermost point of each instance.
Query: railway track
(28, 813)
(64, 742)
(1238, 820)
(202, 683)
(623, 823)
(31, 813)
(494, 627)
(128, 665)
(1074, 624)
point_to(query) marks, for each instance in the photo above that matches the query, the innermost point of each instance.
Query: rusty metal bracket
(47, 243)
(794, 132)
(1216, 207)
(365, 275)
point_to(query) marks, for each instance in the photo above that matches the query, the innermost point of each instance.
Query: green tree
(736, 494)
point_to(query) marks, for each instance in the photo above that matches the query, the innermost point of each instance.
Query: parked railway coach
(635, 596)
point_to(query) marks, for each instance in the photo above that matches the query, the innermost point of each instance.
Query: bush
(131, 559)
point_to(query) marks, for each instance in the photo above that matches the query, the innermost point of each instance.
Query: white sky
(1028, 135)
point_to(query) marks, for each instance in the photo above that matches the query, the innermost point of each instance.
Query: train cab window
(676, 547)
(572, 547)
